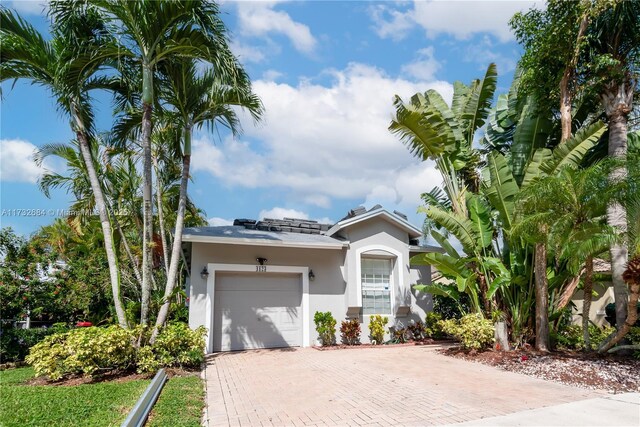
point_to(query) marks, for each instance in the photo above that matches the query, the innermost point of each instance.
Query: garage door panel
(248, 316)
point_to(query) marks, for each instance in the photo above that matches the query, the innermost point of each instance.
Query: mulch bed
(611, 373)
(406, 344)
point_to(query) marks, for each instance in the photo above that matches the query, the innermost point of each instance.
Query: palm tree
(63, 65)
(615, 49)
(150, 32)
(195, 100)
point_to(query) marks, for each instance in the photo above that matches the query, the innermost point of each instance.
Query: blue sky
(326, 72)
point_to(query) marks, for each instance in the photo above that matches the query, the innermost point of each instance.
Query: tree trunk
(112, 259)
(177, 240)
(617, 100)
(163, 234)
(586, 302)
(566, 91)
(147, 213)
(568, 291)
(542, 298)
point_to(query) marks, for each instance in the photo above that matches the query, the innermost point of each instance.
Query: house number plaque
(261, 268)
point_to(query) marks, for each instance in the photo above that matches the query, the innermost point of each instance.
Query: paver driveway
(367, 386)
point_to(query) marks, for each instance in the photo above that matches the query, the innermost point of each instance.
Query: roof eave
(262, 242)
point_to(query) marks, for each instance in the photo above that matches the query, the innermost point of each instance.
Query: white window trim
(250, 268)
(393, 284)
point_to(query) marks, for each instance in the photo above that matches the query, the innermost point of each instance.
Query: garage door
(256, 311)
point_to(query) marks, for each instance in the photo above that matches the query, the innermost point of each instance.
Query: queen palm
(63, 65)
(193, 100)
(150, 32)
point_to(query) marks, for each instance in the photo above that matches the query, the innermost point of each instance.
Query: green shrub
(570, 337)
(176, 345)
(473, 331)
(432, 326)
(377, 325)
(88, 351)
(350, 331)
(449, 308)
(326, 327)
(15, 343)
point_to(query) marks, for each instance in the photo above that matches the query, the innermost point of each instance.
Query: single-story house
(603, 289)
(257, 284)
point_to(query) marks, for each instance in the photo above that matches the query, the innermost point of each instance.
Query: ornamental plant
(89, 351)
(326, 327)
(473, 331)
(432, 325)
(377, 325)
(350, 331)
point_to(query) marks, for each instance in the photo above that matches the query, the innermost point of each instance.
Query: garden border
(140, 411)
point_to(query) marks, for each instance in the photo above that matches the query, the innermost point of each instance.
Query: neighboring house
(257, 284)
(603, 295)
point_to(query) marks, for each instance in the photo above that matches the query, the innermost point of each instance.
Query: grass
(96, 404)
(180, 403)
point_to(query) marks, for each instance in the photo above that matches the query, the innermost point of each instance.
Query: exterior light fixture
(204, 273)
(312, 276)
(261, 261)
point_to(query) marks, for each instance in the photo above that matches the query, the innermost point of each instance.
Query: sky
(327, 72)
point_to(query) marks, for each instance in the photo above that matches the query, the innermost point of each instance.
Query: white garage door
(257, 311)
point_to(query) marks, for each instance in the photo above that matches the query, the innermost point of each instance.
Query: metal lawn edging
(140, 412)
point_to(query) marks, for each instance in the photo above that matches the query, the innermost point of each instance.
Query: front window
(376, 285)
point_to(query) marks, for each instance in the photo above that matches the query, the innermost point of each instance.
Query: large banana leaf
(423, 139)
(531, 134)
(480, 216)
(534, 170)
(574, 149)
(447, 265)
(437, 102)
(502, 189)
(460, 94)
(460, 226)
(478, 105)
(444, 243)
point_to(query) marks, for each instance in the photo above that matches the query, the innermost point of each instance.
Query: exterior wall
(378, 235)
(326, 292)
(598, 304)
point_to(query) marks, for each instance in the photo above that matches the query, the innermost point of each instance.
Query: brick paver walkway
(368, 386)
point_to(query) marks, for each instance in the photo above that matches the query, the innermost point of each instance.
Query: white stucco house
(257, 284)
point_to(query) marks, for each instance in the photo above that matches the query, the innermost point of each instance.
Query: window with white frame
(376, 285)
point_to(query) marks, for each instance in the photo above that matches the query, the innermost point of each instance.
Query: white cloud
(484, 51)
(28, 7)
(217, 221)
(460, 19)
(259, 19)
(246, 53)
(320, 142)
(425, 65)
(272, 75)
(17, 163)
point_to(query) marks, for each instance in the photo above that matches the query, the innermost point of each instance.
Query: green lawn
(98, 404)
(180, 403)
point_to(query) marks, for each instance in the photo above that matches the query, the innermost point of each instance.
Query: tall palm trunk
(586, 302)
(617, 100)
(147, 213)
(177, 240)
(542, 298)
(163, 233)
(109, 246)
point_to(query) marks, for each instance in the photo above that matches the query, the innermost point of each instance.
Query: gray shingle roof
(269, 236)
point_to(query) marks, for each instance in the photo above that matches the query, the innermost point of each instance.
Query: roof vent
(357, 211)
(375, 208)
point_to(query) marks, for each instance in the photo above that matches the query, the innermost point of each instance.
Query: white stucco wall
(326, 292)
